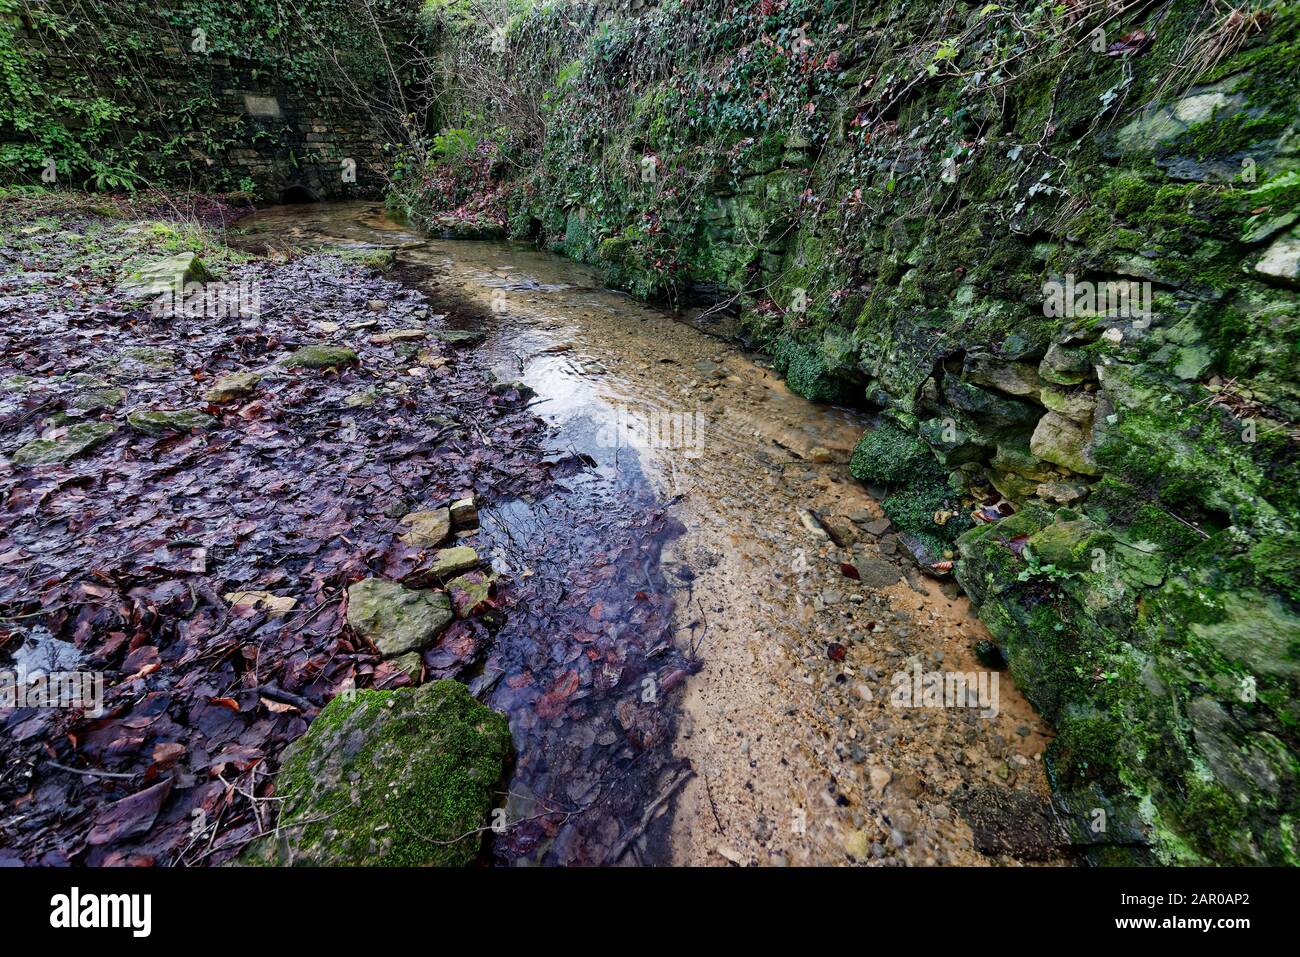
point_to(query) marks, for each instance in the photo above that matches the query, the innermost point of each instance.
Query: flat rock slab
(469, 591)
(464, 514)
(95, 398)
(236, 385)
(446, 562)
(162, 421)
(460, 337)
(78, 439)
(319, 357)
(427, 529)
(877, 572)
(397, 335)
(397, 619)
(394, 778)
(164, 275)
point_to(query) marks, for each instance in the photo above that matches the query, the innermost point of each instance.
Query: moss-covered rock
(452, 561)
(166, 275)
(396, 619)
(76, 440)
(162, 421)
(469, 591)
(887, 455)
(807, 373)
(1064, 442)
(319, 357)
(95, 397)
(399, 778)
(235, 385)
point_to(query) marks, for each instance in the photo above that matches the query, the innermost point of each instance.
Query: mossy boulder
(78, 439)
(319, 357)
(1075, 406)
(396, 619)
(995, 411)
(1070, 543)
(1013, 378)
(887, 455)
(162, 421)
(399, 778)
(952, 443)
(807, 373)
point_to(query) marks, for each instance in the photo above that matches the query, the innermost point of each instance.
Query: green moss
(1224, 136)
(887, 455)
(907, 270)
(914, 507)
(162, 421)
(807, 373)
(1274, 563)
(319, 357)
(391, 778)
(79, 439)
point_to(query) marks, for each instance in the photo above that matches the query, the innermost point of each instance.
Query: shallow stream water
(690, 676)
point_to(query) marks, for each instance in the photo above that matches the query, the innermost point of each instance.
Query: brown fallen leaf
(129, 816)
(1130, 43)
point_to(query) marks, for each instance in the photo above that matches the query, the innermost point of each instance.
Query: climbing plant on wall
(119, 92)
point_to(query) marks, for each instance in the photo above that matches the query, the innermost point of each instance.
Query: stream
(690, 674)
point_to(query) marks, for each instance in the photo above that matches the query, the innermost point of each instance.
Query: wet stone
(236, 385)
(396, 619)
(427, 529)
(877, 572)
(1062, 442)
(78, 439)
(164, 275)
(1064, 493)
(469, 591)
(460, 337)
(1063, 366)
(162, 421)
(319, 357)
(464, 514)
(446, 562)
(396, 778)
(411, 665)
(94, 398)
(398, 335)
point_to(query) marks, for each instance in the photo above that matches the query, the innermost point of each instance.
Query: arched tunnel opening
(297, 194)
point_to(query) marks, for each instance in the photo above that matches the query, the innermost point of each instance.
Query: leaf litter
(203, 570)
